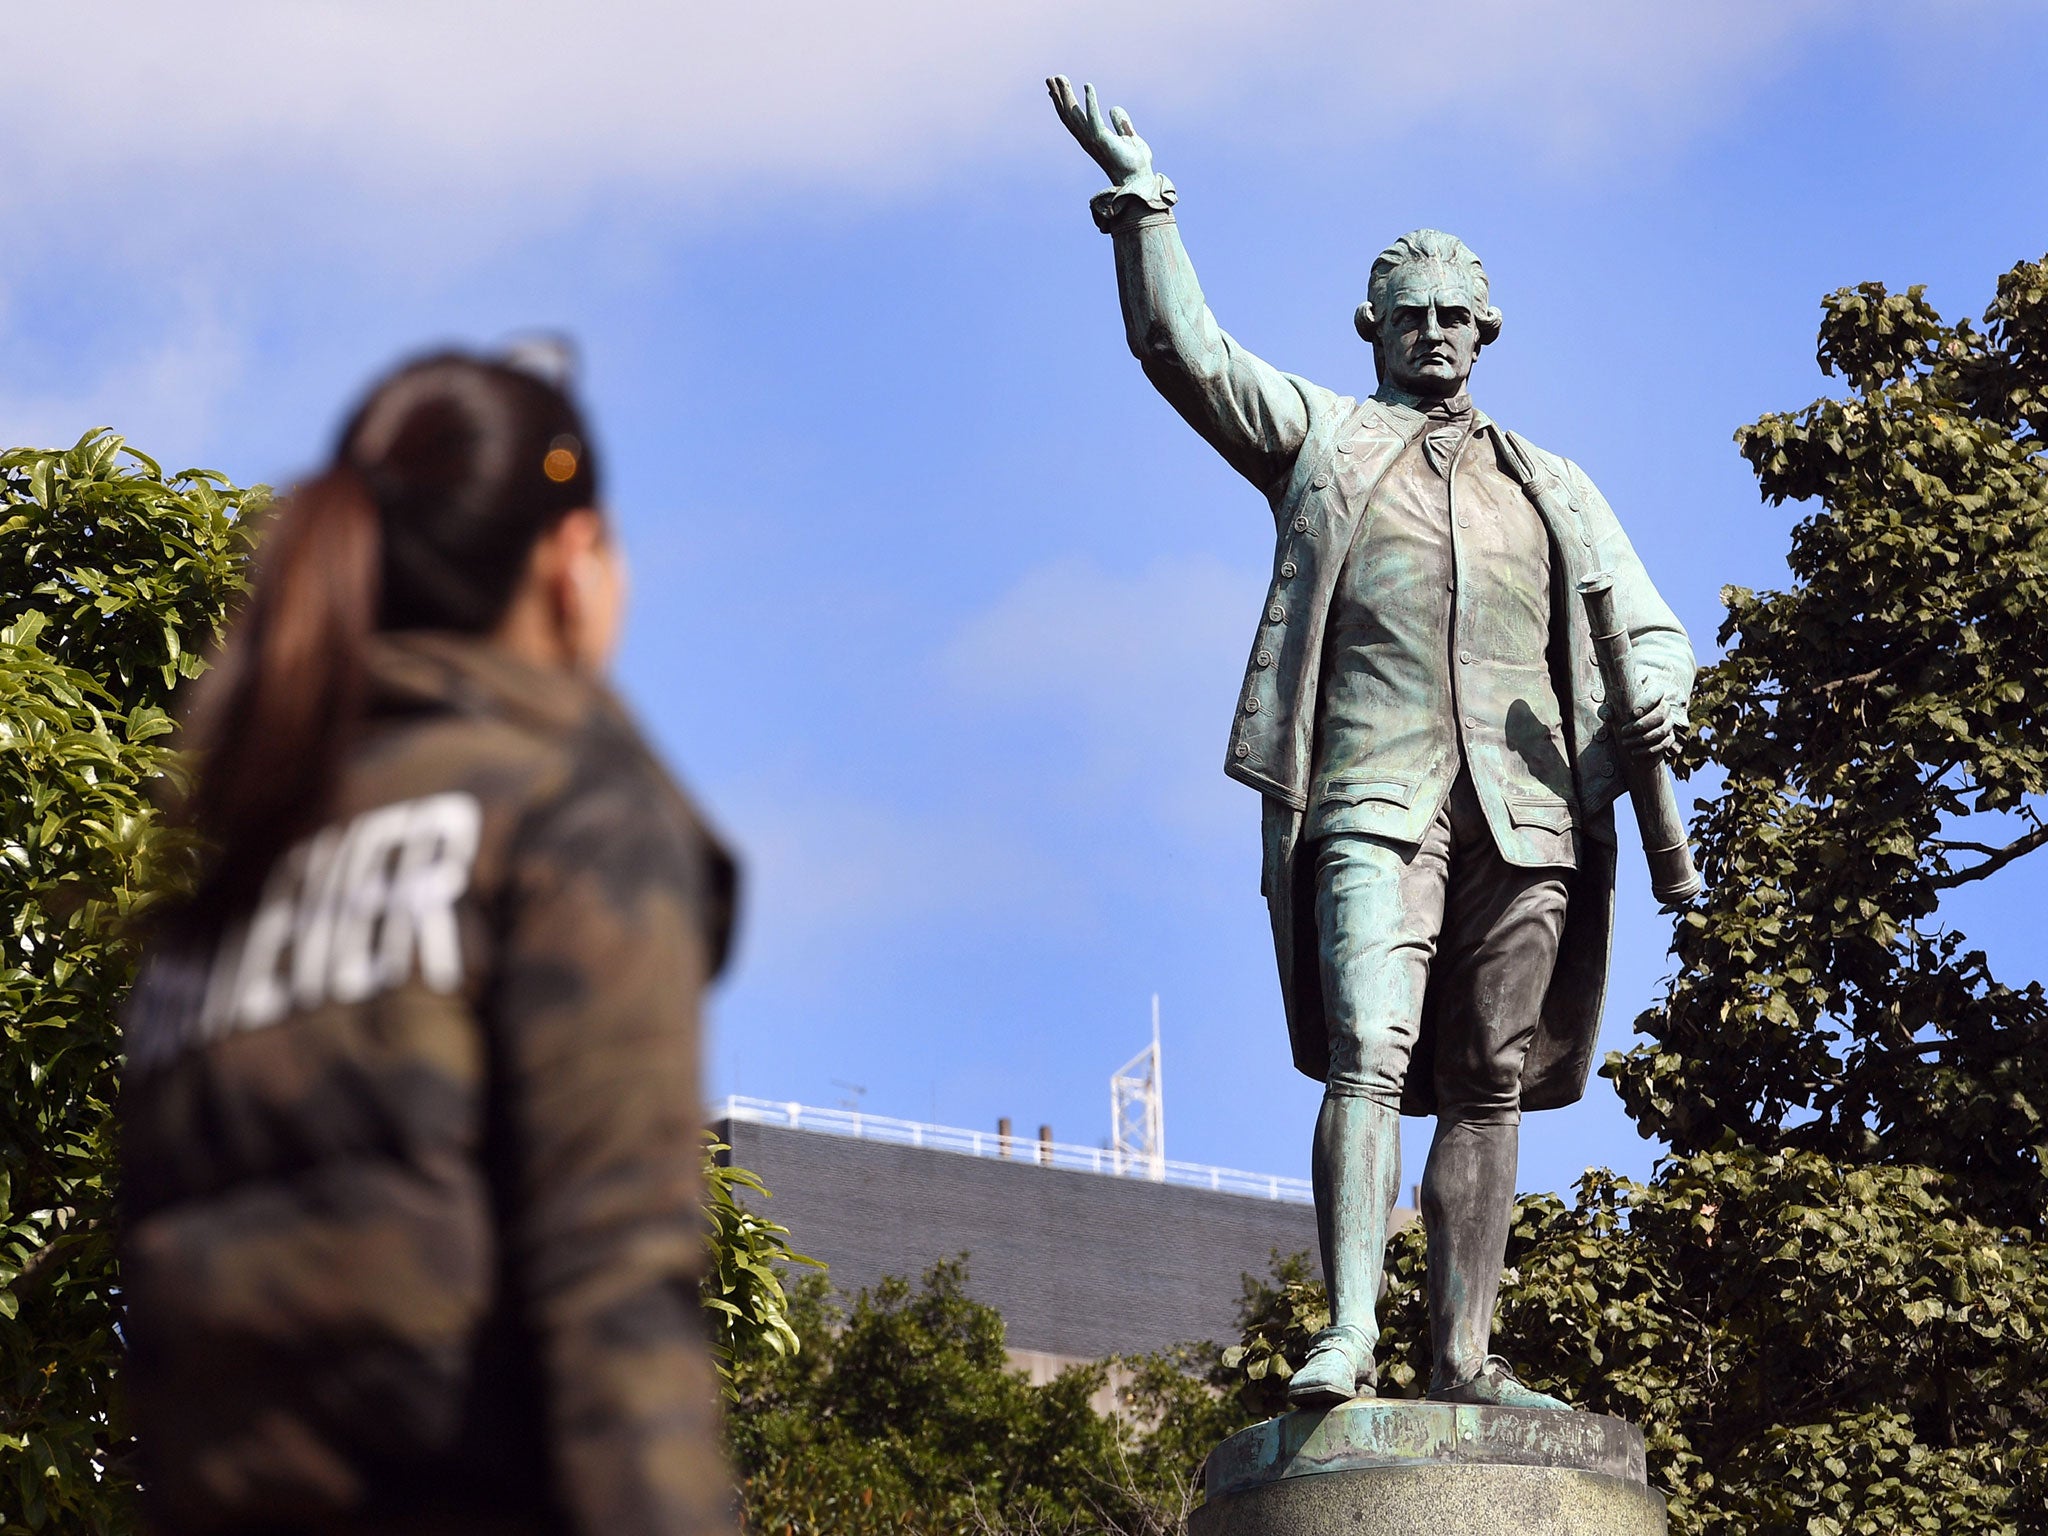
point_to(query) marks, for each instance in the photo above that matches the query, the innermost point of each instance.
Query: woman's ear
(590, 589)
(569, 606)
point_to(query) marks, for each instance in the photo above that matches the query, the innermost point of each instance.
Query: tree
(1828, 1309)
(746, 1308)
(1880, 726)
(113, 580)
(902, 1415)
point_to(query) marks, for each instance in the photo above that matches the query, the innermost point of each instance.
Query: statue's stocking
(1468, 1190)
(1357, 1176)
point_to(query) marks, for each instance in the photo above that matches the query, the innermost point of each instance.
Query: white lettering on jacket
(354, 911)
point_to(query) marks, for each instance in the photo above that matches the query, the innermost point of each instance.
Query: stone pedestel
(1381, 1467)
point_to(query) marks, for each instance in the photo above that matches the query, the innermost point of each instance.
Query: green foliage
(745, 1306)
(1853, 1218)
(1806, 1347)
(133, 569)
(113, 580)
(1276, 1319)
(1880, 726)
(902, 1415)
(1801, 1343)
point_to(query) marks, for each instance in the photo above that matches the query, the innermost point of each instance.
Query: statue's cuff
(1149, 193)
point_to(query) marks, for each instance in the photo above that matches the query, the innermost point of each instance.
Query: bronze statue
(1425, 715)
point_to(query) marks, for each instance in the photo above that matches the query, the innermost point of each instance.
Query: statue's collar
(1387, 394)
(1410, 411)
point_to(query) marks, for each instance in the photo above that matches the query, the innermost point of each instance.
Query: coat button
(1276, 613)
(1465, 657)
(1343, 447)
(1471, 722)
(1321, 482)
(1301, 525)
(1243, 750)
(1265, 658)
(1287, 568)
(1601, 734)
(1251, 706)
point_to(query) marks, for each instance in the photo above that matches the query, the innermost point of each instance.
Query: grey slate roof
(1078, 1264)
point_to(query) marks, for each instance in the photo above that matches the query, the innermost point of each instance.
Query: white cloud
(167, 391)
(528, 105)
(827, 874)
(1137, 672)
(1132, 677)
(213, 142)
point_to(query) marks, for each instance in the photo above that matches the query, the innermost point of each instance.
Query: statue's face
(1429, 334)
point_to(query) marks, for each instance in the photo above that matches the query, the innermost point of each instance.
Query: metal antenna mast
(1137, 1111)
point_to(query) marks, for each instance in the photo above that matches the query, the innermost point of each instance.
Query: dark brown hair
(441, 483)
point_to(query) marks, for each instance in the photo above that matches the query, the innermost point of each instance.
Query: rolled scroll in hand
(1673, 880)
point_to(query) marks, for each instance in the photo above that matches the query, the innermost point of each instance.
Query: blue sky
(939, 610)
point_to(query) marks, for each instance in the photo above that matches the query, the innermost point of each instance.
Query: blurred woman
(411, 1123)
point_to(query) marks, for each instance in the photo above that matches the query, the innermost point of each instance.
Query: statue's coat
(1283, 433)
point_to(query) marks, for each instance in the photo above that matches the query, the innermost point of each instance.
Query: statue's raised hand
(1112, 144)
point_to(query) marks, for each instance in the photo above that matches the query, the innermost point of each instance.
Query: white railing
(1016, 1149)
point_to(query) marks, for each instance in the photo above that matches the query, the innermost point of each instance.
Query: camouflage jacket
(411, 1205)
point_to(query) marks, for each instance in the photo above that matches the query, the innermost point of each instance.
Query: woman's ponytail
(279, 708)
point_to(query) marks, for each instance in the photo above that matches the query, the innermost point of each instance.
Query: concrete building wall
(1080, 1265)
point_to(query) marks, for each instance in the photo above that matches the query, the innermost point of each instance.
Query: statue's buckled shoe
(1495, 1386)
(1339, 1367)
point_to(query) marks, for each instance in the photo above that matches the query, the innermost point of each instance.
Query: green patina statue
(1425, 716)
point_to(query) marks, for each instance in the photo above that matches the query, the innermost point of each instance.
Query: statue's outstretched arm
(1253, 414)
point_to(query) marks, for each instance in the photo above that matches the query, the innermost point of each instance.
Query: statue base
(1393, 1467)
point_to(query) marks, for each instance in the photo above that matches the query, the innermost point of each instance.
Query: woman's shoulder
(619, 813)
(558, 770)
(458, 713)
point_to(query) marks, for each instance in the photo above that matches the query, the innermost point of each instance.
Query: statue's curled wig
(1431, 245)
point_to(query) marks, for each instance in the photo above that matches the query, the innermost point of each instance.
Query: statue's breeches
(1392, 916)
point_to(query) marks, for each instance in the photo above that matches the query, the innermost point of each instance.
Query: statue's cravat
(1449, 421)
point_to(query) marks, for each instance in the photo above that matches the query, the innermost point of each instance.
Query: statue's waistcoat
(1341, 464)
(1440, 653)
